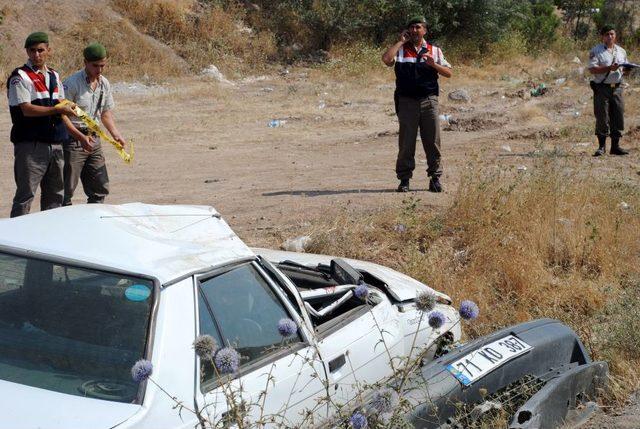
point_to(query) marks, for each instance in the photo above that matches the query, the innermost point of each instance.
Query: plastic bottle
(274, 123)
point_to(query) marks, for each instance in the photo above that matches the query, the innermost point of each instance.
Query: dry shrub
(131, 54)
(551, 243)
(530, 113)
(201, 33)
(357, 60)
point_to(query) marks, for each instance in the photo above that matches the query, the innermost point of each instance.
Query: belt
(610, 85)
(86, 131)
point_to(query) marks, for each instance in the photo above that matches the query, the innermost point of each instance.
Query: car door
(240, 307)
(358, 349)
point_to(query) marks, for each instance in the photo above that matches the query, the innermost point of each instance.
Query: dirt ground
(199, 141)
(626, 418)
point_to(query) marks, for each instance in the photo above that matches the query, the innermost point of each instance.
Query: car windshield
(72, 330)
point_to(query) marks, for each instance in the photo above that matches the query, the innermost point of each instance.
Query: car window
(70, 329)
(271, 271)
(239, 309)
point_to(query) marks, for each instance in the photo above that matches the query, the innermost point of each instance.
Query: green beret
(94, 52)
(606, 28)
(418, 19)
(35, 38)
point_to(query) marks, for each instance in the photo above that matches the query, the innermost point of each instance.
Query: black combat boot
(602, 146)
(615, 147)
(435, 185)
(403, 186)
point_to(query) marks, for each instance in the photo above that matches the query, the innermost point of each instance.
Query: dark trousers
(608, 108)
(90, 168)
(37, 164)
(414, 113)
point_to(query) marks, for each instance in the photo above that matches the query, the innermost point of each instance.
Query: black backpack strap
(53, 83)
(95, 113)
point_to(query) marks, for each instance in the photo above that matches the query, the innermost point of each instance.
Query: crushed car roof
(165, 242)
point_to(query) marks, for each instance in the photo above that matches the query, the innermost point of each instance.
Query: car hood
(401, 286)
(25, 407)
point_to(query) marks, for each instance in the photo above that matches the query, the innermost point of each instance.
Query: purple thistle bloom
(425, 301)
(205, 347)
(287, 327)
(227, 360)
(436, 319)
(362, 291)
(384, 400)
(358, 421)
(141, 370)
(469, 310)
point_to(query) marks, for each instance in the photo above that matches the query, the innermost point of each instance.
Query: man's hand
(429, 59)
(404, 37)
(65, 109)
(120, 140)
(87, 143)
(614, 67)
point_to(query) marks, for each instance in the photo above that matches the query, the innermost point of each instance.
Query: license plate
(482, 361)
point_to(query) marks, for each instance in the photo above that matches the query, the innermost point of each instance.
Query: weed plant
(553, 241)
(376, 406)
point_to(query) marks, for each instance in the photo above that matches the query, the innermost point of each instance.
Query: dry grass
(201, 34)
(131, 57)
(552, 243)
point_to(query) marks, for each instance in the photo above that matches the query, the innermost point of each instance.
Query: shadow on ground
(324, 192)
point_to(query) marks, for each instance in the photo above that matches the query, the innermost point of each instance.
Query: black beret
(606, 28)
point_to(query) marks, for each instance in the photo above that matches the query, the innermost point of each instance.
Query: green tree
(318, 24)
(620, 13)
(541, 25)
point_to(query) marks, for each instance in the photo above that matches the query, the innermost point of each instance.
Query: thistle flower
(362, 291)
(141, 370)
(425, 301)
(469, 310)
(227, 360)
(205, 347)
(384, 400)
(358, 421)
(287, 327)
(436, 319)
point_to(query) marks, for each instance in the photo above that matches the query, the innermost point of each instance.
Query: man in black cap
(605, 62)
(38, 130)
(417, 67)
(91, 91)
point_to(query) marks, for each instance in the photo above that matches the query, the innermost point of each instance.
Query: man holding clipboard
(608, 64)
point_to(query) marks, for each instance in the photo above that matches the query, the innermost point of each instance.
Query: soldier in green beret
(418, 66)
(35, 92)
(91, 91)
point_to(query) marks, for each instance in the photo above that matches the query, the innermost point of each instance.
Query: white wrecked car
(86, 291)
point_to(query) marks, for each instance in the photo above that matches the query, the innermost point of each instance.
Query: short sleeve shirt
(22, 90)
(79, 91)
(600, 56)
(408, 53)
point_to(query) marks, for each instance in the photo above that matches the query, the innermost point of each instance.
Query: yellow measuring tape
(95, 127)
